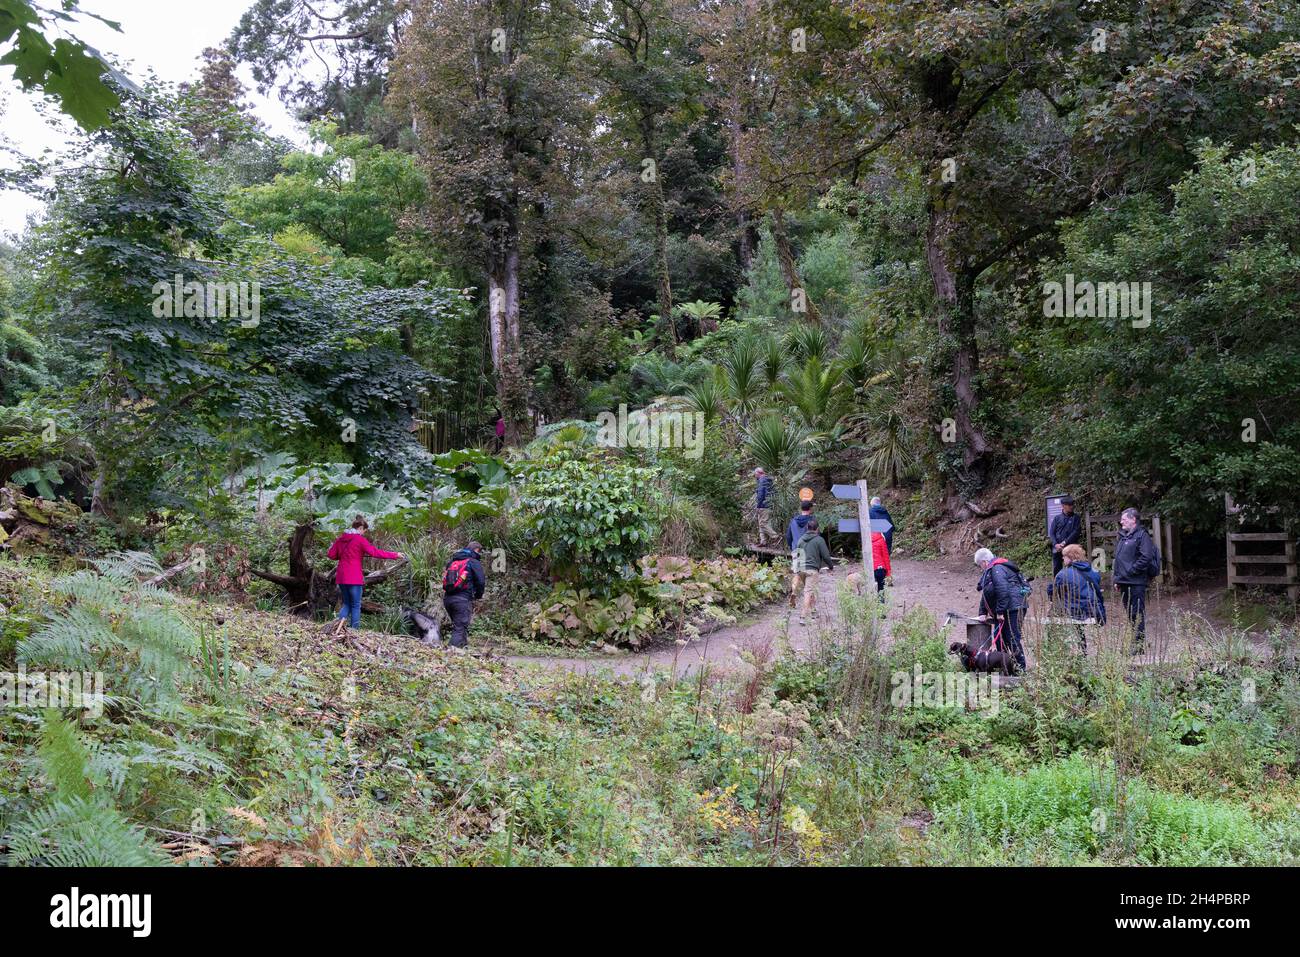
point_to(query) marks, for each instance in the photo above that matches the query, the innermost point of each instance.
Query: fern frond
(129, 564)
(64, 757)
(80, 832)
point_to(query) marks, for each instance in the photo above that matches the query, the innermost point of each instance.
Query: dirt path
(933, 584)
(939, 585)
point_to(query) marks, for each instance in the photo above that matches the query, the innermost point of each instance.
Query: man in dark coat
(1136, 563)
(1003, 600)
(462, 584)
(763, 507)
(879, 511)
(1063, 531)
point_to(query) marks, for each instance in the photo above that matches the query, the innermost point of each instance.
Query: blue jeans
(351, 610)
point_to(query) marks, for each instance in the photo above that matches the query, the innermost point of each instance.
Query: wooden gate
(1259, 558)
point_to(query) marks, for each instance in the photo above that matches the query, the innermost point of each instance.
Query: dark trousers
(1057, 563)
(880, 579)
(1134, 598)
(350, 596)
(460, 609)
(1011, 639)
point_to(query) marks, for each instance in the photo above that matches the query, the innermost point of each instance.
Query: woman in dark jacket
(1078, 589)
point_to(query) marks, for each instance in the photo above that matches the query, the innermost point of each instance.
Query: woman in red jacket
(347, 550)
(880, 559)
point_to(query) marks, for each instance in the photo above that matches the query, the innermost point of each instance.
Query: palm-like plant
(889, 446)
(777, 447)
(742, 377)
(699, 312)
(819, 400)
(805, 342)
(708, 397)
(658, 375)
(772, 359)
(816, 393)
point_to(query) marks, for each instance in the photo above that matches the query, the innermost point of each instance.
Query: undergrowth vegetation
(283, 745)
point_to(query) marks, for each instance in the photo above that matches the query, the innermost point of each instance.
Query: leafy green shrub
(918, 641)
(576, 616)
(592, 514)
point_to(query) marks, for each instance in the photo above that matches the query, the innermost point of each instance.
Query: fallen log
(169, 573)
(308, 589)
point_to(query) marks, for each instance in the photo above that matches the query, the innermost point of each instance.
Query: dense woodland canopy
(546, 210)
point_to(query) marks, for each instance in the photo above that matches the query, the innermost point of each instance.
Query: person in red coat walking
(880, 560)
(348, 550)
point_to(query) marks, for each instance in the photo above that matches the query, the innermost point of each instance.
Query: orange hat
(805, 494)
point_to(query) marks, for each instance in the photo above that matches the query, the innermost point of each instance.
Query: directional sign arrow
(846, 491)
(850, 525)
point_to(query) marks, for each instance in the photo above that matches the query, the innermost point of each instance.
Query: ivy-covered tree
(486, 85)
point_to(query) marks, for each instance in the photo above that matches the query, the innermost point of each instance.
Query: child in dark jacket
(463, 584)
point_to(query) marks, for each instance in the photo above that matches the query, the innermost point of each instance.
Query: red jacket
(347, 551)
(879, 553)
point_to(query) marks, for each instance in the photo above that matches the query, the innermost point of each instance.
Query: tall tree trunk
(954, 285)
(790, 267)
(748, 239)
(658, 215)
(747, 232)
(664, 282)
(503, 324)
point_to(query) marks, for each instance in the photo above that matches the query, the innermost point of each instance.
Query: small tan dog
(854, 581)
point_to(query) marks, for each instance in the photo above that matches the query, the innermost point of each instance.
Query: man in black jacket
(878, 510)
(1063, 531)
(1136, 563)
(1003, 599)
(462, 584)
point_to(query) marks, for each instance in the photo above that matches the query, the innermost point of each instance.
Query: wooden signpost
(864, 524)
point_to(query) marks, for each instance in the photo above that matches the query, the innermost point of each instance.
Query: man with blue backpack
(1137, 561)
(1004, 597)
(462, 584)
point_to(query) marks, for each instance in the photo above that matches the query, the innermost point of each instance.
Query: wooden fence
(1259, 558)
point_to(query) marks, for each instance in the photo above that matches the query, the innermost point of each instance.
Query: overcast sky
(162, 36)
